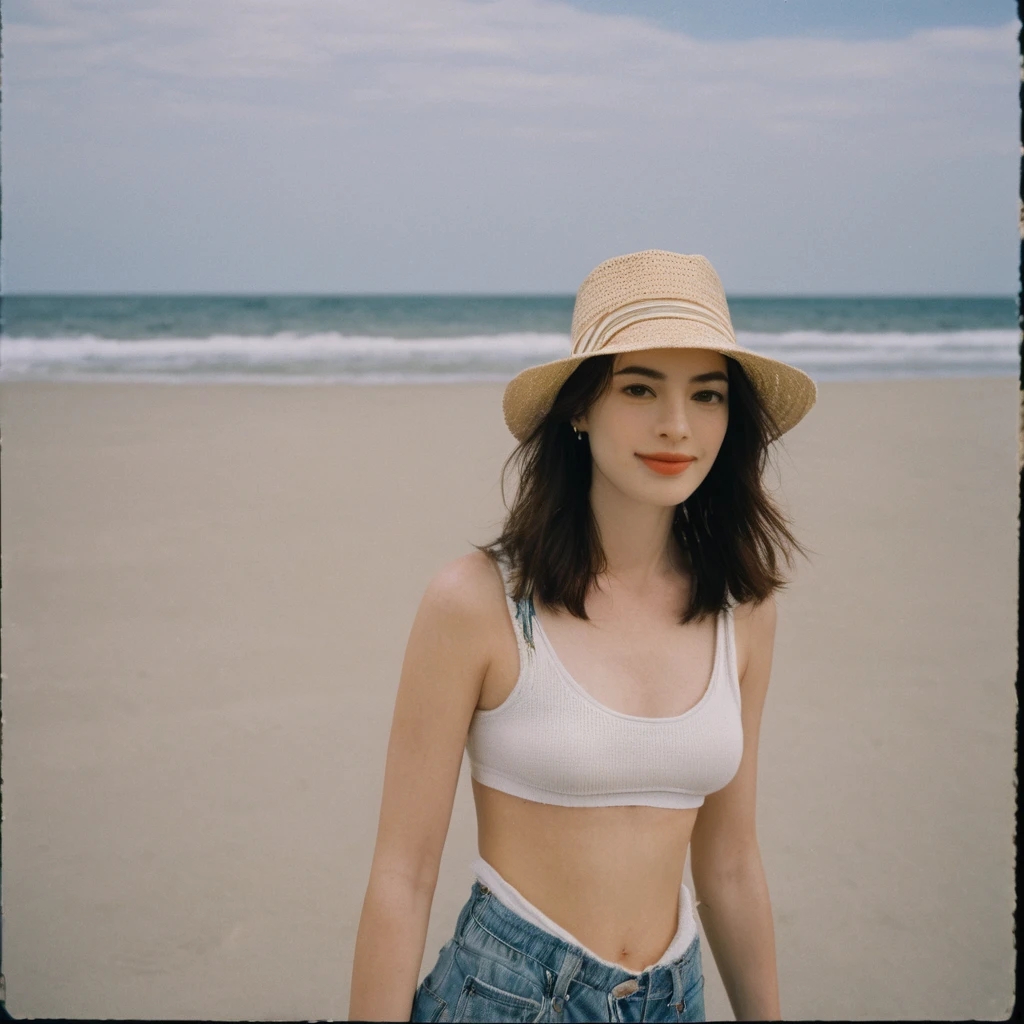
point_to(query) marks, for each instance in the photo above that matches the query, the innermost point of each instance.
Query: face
(659, 402)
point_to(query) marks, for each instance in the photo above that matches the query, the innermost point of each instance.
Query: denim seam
(501, 963)
(514, 998)
(447, 971)
(504, 963)
(499, 939)
(443, 1002)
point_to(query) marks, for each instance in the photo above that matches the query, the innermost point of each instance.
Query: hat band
(596, 337)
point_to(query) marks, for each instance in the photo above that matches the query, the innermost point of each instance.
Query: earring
(579, 434)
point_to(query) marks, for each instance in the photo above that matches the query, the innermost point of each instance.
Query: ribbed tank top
(551, 741)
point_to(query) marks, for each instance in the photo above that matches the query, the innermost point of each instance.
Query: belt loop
(477, 894)
(571, 963)
(482, 897)
(482, 894)
(677, 985)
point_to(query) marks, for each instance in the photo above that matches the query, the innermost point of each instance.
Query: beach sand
(207, 592)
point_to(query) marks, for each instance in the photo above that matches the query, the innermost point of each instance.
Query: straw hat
(654, 299)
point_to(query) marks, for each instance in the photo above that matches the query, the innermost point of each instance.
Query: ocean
(387, 339)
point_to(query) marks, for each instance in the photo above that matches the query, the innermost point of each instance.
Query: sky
(507, 146)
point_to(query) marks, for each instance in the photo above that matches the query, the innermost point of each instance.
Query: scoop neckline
(591, 699)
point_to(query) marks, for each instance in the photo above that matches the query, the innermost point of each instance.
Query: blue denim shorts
(500, 967)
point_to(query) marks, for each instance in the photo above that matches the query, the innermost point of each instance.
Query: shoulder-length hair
(731, 529)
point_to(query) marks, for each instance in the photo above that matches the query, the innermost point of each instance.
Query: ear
(579, 423)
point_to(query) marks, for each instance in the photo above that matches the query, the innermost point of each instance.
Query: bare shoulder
(469, 585)
(469, 595)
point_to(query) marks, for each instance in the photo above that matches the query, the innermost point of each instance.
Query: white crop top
(552, 742)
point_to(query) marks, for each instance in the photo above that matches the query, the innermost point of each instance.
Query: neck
(639, 546)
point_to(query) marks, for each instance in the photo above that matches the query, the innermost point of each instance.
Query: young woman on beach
(605, 663)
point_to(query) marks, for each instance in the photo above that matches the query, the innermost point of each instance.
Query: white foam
(330, 357)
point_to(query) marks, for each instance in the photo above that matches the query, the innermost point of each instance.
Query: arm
(728, 877)
(445, 662)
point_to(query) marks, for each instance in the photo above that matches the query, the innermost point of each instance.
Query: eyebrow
(646, 371)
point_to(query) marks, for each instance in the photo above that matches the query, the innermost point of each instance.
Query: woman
(605, 663)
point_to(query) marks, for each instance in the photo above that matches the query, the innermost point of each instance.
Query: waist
(509, 899)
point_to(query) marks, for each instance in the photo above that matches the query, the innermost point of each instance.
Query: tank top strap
(522, 612)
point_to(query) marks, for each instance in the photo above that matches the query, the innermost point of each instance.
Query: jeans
(499, 967)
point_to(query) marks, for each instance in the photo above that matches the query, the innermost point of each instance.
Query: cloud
(511, 58)
(367, 133)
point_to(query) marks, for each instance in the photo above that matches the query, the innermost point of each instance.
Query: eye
(628, 389)
(714, 396)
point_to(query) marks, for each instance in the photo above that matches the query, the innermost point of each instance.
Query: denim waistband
(485, 918)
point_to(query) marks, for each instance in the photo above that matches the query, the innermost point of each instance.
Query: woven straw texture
(662, 300)
(652, 274)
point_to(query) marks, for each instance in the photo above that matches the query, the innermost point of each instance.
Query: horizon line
(482, 295)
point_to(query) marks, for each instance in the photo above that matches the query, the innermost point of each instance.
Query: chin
(666, 498)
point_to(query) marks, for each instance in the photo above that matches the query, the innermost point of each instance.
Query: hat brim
(786, 392)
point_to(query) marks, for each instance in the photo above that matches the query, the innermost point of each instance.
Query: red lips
(667, 457)
(666, 463)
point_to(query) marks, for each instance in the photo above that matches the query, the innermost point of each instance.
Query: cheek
(714, 431)
(615, 461)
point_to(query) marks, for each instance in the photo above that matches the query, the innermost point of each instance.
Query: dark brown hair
(731, 529)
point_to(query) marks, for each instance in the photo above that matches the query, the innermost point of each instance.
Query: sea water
(382, 339)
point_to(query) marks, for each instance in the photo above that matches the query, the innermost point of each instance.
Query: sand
(206, 596)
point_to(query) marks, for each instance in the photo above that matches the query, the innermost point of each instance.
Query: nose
(675, 424)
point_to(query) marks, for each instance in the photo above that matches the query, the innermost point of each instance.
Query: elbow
(718, 870)
(402, 881)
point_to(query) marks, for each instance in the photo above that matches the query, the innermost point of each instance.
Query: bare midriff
(609, 875)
